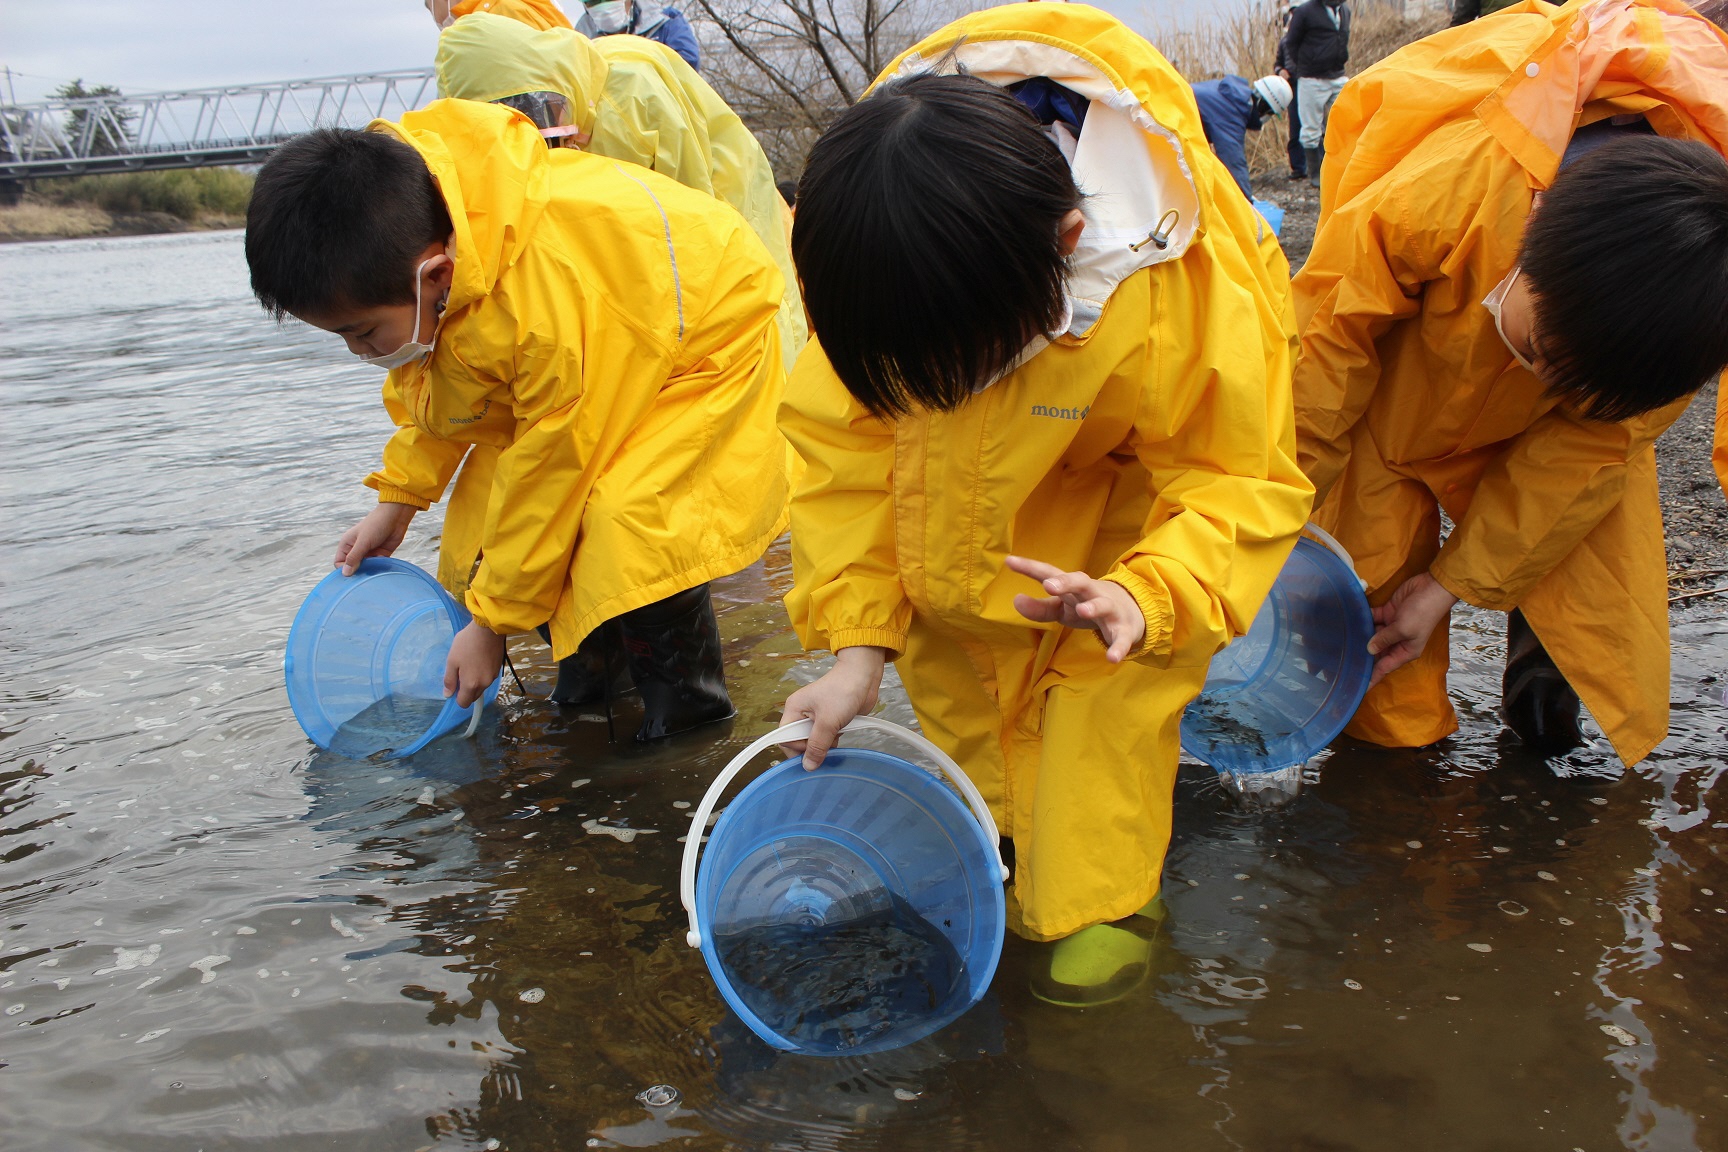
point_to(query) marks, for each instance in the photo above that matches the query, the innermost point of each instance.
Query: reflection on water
(215, 938)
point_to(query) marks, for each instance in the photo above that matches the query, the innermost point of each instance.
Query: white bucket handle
(1324, 537)
(799, 730)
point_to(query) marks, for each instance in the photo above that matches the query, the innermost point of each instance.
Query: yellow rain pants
(537, 14)
(611, 334)
(1407, 400)
(634, 100)
(1153, 446)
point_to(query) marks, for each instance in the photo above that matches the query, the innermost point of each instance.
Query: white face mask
(610, 16)
(413, 350)
(1493, 302)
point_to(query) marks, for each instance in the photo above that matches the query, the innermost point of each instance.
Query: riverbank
(34, 221)
(129, 204)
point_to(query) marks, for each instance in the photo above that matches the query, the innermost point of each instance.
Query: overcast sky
(151, 45)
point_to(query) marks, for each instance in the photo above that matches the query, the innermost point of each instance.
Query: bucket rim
(315, 609)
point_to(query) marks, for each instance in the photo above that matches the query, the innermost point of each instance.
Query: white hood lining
(1131, 168)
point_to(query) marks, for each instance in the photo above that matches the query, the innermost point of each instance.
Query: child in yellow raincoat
(608, 331)
(1051, 462)
(630, 99)
(1473, 345)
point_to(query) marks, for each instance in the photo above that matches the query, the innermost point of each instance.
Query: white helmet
(1275, 91)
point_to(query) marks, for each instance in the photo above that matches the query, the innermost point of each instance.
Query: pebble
(1620, 1034)
(1480, 947)
(532, 995)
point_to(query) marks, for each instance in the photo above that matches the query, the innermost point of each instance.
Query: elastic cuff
(887, 638)
(1154, 605)
(505, 617)
(390, 494)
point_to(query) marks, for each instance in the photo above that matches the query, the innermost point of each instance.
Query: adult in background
(1230, 108)
(1293, 116)
(1316, 48)
(628, 18)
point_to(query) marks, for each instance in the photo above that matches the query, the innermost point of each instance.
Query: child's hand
(378, 534)
(475, 657)
(1078, 601)
(1405, 623)
(846, 691)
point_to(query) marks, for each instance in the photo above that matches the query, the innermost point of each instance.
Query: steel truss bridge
(241, 124)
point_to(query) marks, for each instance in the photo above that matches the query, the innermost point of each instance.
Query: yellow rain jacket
(634, 100)
(611, 334)
(1407, 400)
(537, 14)
(1152, 444)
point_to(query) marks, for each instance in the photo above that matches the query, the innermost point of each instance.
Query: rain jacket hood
(1409, 404)
(488, 57)
(537, 14)
(493, 173)
(1151, 444)
(633, 100)
(609, 353)
(1134, 157)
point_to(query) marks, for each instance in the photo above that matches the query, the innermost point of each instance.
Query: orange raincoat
(1408, 402)
(539, 15)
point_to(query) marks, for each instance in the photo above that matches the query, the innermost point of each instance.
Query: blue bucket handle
(799, 730)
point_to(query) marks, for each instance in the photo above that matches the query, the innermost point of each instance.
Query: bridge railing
(194, 128)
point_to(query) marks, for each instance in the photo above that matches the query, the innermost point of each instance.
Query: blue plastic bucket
(852, 909)
(1272, 214)
(365, 661)
(1283, 691)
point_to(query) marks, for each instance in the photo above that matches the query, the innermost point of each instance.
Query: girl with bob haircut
(1047, 422)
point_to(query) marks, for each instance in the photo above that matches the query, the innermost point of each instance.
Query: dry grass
(31, 221)
(1244, 40)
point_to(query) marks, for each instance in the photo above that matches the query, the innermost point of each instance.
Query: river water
(214, 938)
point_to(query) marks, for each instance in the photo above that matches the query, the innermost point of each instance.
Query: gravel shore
(1693, 507)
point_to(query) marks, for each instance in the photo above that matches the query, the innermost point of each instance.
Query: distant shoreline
(30, 222)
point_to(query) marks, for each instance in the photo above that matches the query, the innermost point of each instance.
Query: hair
(336, 221)
(927, 240)
(1627, 257)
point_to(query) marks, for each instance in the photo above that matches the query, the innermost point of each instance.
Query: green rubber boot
(1101, 964)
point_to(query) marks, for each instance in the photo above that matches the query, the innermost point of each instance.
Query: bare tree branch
(788, 67)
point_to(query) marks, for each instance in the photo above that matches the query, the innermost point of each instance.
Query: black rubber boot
(583, 675)
(1315, 158)
(673, 648)
(1541, 707)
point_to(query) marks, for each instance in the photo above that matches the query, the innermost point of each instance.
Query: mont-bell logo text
(1061, 413)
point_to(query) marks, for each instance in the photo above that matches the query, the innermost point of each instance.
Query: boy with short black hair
(609, 330)
(1476, 346)
(1029, 414)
